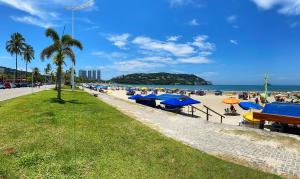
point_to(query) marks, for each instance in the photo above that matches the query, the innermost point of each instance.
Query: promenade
(268, 151)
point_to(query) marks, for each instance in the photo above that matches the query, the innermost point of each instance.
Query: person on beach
(232, 109)
(256, 100)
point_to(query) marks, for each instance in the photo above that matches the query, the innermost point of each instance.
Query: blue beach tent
(170, 96)
(180, 103)
(250, 105)
(150, 96)
(283, 109)
(136, 96)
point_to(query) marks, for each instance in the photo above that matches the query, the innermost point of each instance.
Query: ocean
(274, 88)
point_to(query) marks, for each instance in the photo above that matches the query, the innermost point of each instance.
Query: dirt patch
(9, 151)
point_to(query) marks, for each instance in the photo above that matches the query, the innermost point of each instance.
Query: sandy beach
(210, 100)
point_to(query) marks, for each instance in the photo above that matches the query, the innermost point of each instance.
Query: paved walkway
(16, 92)
(218, 139)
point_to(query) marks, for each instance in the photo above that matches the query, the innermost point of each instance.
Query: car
(2, 86)
(218, 93)
(7, 85)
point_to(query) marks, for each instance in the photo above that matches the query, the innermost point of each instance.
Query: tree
(36, 73)
(47, 71)
(59, 50)
(28, 55)
(15, 46)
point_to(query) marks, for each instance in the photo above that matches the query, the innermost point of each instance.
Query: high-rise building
(94, 75)
(83, 74)
(98, 75)
(89, 74)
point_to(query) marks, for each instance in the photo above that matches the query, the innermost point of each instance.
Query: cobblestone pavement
(16, 92)
(213, 138)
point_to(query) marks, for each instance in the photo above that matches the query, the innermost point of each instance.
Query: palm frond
(68, 52)
(68, 41)
(49, 51)
(52, 34)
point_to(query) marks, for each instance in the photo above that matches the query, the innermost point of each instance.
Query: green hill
(160, 79)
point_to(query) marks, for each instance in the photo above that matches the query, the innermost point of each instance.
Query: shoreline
(224, 88)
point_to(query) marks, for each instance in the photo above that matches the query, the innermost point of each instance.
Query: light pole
(73, 9)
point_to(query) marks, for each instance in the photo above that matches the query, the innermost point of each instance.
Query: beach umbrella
(231, 101)
(144, 88)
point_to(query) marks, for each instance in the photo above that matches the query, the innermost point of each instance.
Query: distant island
(160, 79)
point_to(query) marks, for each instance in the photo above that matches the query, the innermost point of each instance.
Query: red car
(7, 85)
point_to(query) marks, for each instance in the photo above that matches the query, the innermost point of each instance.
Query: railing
(207, 113)
(193, 107)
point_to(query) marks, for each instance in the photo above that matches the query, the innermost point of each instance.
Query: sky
(226, 42)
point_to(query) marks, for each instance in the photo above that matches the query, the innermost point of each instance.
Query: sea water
(281, 88)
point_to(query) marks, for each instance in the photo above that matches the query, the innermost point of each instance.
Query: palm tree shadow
(61, 101)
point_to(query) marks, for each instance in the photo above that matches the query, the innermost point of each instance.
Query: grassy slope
(36, 139)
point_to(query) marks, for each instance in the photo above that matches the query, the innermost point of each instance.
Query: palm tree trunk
(16, 68)
(59, 82)
(26, 72)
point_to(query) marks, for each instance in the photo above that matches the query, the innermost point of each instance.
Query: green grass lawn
(37, 140)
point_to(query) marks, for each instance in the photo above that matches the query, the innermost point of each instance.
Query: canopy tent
(136, 96)
(170, 96)
(150, 96)
(179, 103)
(283, 109)
(250, 105)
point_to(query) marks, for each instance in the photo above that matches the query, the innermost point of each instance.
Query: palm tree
(47, 71)
(28, 55)
(60, 49)
(15, 46)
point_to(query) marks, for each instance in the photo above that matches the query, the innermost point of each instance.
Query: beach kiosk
(283, 113)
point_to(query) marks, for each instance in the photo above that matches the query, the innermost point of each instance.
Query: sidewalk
(16, 92)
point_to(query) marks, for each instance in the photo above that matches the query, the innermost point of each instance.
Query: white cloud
(194, 22)
(287, 7)
(156, 45)
(158, 59)
(110, 55)
(152, 54)
(234, 42)
(119, 40)
(173, 38)
(200, 42)
(178, 3)
(134, 66)
(28, 6)
(41, 13)
(194, 60)
(33, 21)
(231, 19)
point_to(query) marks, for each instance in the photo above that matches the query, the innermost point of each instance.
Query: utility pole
(73, 9)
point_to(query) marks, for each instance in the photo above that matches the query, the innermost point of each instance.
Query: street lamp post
(73, 9)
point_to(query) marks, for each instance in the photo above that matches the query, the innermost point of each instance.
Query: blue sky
(226, 42)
